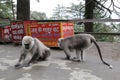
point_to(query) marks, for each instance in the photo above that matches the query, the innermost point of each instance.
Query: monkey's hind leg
(77, 58)
(82, 56)
(44, 56)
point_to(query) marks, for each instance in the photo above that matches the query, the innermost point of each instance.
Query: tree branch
(103, 6)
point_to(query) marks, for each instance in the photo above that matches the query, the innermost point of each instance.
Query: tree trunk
(89, 7)
(23, 9)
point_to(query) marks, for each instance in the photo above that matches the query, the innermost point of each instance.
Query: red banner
(17, 31)
(67, 29)
(5, 34)
(47, 32)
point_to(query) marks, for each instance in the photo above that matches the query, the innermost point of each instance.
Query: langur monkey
(79, 42)
(38, 51)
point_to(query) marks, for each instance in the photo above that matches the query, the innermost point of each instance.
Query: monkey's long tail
(99, 51)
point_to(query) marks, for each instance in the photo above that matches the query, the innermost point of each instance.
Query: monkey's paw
(76, 59)
(17, 66)
(26, 65)
(68, 58)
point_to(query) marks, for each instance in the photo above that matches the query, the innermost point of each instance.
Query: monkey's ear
(60, 39)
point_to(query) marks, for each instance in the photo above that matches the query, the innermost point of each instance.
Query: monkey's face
(60, 43)
(27, 46)
(27, 42)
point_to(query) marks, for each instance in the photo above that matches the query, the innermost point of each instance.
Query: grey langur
(36, 48)
(79, 43)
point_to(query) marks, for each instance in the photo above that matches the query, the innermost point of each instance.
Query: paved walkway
(56, 68)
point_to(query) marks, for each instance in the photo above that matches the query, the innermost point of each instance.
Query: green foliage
(6, 9)
(59, 13)
(78, 28)
(103, 28)
(75, 11)
(4, 22)
(37, 16)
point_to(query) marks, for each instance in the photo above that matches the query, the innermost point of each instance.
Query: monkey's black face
(27, 46)
(27, 42)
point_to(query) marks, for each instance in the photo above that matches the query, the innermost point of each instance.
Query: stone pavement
(56, 68)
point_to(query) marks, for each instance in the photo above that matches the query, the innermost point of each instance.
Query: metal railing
(98, 33)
